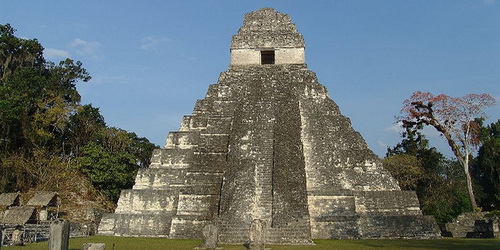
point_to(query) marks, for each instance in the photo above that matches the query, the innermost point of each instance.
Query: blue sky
(151, 60)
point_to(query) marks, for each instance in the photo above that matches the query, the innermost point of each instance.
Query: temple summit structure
(267, 143)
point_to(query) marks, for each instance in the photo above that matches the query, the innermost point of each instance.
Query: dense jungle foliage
(439, 181)
(48, 139)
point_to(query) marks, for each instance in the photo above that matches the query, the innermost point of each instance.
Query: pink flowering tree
(455, 118)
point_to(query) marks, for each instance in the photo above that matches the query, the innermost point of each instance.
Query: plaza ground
(122, 243)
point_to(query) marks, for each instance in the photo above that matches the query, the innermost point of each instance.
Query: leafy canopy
(48, 136)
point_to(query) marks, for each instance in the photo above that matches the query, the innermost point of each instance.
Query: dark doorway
(267, 57)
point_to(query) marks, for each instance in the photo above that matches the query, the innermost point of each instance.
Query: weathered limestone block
(462, 225)
(398, 226)
(188, 226)
(327, 206)
(154, 225)
(59, 235)
(197, 205)
(147, 201)
(94, 246)
(484, 229)
(388, 202)
(210, 236)
(182, 140)
(193, 123)
(159, 178)
(257, 236)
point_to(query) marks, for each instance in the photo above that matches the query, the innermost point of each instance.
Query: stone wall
(267, 29)
(472, 225)
(252, 57)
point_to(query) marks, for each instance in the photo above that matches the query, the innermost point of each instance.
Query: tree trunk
(469, 183)
(462, 158)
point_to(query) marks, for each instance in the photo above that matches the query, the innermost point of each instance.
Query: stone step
(182, 140)
(175, 158)
(398, 226)
(233, 235)
(136, 225)
(147, 201)
(193, 123)
(159, 178)
(213, 143)
(219, 124)
(388, 202)
(198, 206)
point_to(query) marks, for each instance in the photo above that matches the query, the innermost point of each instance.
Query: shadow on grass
(438, 244)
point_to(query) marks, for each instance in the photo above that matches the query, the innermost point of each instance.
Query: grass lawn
(119, 243)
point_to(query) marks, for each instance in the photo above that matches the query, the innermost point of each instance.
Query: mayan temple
(267, 143)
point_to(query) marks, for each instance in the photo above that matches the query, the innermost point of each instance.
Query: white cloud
(55, 53)
(86, 48)
(152, 42)
(382, 144)
(396, 128)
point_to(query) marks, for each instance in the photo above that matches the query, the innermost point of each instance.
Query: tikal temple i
(267, 143)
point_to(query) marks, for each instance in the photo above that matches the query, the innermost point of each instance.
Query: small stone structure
(267, 143)
(45, 203)
(472, 225)
(59, 235)
(94, 246)
(484, 229)
(19, 216)
(8, 200)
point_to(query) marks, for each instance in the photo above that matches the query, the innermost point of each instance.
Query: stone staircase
(253, 149)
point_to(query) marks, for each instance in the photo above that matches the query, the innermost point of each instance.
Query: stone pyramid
(267, 143)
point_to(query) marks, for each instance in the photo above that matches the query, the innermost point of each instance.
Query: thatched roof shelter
(43, 199)
(9, 199)
(19, 215)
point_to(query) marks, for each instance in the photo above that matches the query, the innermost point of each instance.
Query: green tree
(109, 171)
(407, 170)
(419, 167)
(454, 118)
(47, 136)
(17, 53)
(486, 167)
(84, 127)
(36, 97)
(111, 161)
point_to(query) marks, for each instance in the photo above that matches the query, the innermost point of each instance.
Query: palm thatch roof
(43, 199)
(19, 215)
(10, 199)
